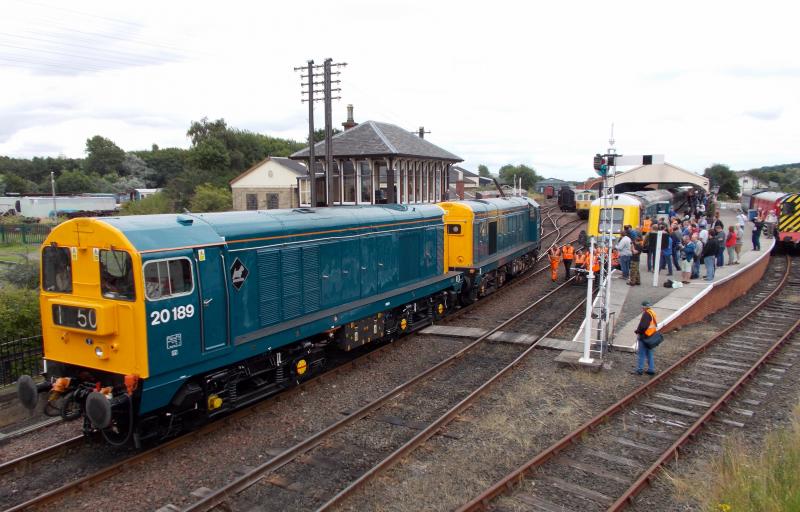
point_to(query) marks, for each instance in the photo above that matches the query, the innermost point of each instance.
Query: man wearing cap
(647, 327)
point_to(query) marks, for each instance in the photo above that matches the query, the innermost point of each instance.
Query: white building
(267, 185)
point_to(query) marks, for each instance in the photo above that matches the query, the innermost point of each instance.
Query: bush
(24, 275)
(157, 203)
(208, 198)
(19, 313)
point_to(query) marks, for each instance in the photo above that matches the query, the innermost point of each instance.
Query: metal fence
(23, 233)
(20, 357)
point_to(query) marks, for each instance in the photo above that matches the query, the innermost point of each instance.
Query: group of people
(573, 259)
(690, 242)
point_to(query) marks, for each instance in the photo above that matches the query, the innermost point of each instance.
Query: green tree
(319, 135)
(204, 129)
(721, 176)
(166, 164)
(483, 171)
(209, 198)
(528, 174)
(159, 202)
(76, 182)
(16, 184)
(103, 156)
(211, 155)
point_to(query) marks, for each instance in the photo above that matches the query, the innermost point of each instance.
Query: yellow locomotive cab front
(91, 299)
(459, 221)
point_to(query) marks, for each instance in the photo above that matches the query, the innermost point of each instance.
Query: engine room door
(212, 297)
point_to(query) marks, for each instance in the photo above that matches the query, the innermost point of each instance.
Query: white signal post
(657, 260)
(587, 328)
(606, 230)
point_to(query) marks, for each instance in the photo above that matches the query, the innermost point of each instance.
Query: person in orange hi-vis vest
(646, 225)
(648, 325)
(555, 259)
(568, 255)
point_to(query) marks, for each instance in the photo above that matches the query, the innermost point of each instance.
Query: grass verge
(764, 479)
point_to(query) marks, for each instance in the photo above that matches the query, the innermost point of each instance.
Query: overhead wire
(143, 58)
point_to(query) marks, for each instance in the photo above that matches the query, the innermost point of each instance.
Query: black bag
(654, 340)
(668, 283)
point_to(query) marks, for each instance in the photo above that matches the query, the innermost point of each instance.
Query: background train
(155, 323)
(785, 206)
(631, 208)
(566, 199)
(579, 201)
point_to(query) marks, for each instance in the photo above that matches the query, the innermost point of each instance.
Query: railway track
(424, 404)
(607, 461)
(115, 467)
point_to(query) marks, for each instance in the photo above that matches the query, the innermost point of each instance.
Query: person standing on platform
(624, 250)
(567, 254)
(720, 236)
(677, 240)
(770, 222)
(646, 226)
(636, 252)
(718, 221)
(730, 245)
(651, 239)
(648, 326)
(709, 257)
(741, 219)
(687, 255)
(758, 224)
(666, 252)
(698, 256)
(555, 259)
(739, 243)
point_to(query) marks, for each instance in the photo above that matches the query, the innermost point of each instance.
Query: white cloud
(504, 82)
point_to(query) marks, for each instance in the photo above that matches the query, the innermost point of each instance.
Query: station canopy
(659, 176)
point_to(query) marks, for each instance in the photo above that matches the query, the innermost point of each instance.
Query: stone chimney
(350, 122)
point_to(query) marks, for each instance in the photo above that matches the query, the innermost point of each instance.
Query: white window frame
(144, 281)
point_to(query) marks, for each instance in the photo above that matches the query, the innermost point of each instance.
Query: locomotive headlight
(98, 351)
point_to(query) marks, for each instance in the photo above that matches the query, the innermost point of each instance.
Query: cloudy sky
(496, 82)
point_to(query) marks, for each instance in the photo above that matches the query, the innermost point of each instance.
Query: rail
(508, 482)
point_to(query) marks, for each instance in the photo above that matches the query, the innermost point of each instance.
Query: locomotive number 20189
(177, 313)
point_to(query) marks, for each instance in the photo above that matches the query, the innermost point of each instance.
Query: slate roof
(375, 139)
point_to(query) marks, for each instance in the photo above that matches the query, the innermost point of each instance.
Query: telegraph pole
(310, 84)
(312, 72)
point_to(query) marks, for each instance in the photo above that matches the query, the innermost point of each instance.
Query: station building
(378, 163)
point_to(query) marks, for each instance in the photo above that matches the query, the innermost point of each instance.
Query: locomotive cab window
(168, 278)
(56, 269)
(116, 275)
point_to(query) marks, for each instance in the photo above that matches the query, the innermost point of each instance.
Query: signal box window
(56, 269)
(116, 275)
(272, 201)
(167, 278)
(252, 201)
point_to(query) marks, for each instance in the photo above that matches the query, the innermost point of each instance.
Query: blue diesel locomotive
(152, 324)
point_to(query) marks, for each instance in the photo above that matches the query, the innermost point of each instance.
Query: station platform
(675, 307)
